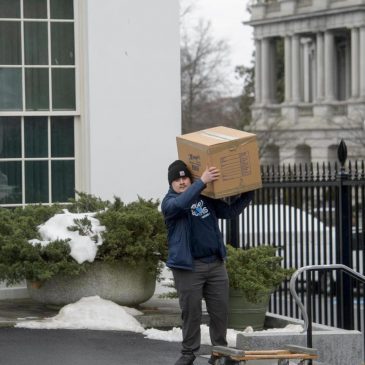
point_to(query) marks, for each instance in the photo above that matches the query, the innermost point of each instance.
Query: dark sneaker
(213, 360)
(186, 359)
(216, 360)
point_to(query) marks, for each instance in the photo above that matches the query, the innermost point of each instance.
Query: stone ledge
(335, 346)
(13, 293)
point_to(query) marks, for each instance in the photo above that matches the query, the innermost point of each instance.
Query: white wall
(132, 75)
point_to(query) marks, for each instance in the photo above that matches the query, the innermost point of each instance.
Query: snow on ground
(92, 313)
(96, 313)
(175, 335)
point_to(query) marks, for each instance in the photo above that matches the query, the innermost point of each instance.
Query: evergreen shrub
(257, 271)
(133, 232)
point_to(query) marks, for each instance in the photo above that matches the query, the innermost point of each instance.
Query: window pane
(11, 182)
(10, 89)
(9, 9)
(62, 9)
(10, 53)
(36, 136)
(36, 181)
(63, 89)
(63, 181)
(10, 137)
(36, 89)
(62, 40)
(62, 137)
(35, 9)
(35, 43)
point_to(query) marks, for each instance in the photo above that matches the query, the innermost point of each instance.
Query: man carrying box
(197, 252)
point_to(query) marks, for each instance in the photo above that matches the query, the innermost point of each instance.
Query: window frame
(76, 113)
(49, 66)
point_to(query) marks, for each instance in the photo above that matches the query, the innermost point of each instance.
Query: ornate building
(320, 98)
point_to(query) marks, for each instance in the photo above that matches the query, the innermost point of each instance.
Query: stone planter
(119, 282)
(242, 313)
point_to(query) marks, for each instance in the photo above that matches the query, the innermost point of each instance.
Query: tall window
(303, 154)
(332, 153)
(37, 101)
(271, 155)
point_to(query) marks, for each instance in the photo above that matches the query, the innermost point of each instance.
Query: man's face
(181, 184)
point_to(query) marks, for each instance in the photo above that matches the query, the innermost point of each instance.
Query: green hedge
(134, 231)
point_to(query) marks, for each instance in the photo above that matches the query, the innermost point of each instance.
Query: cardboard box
(233, 152)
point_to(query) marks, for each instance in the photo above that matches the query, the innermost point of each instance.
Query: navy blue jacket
(176, 208)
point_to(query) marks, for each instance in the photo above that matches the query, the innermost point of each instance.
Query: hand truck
(231, 356)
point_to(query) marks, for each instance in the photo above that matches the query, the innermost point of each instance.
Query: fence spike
(272, 173)
(262, 172)
(342, 152)
(289, 172)
(267, 173)
(330, 176)
(306, 172)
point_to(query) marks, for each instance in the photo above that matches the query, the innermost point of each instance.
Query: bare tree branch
(203, 61)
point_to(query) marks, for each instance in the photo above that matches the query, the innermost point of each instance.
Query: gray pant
(208, 281)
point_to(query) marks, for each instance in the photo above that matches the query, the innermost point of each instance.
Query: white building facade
(89, 99)
(323, 45)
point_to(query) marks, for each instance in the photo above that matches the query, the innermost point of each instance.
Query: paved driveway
(83, 347)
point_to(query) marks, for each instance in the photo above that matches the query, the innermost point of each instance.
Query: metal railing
(307, 313)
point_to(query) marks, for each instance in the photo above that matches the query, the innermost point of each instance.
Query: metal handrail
(294, 277)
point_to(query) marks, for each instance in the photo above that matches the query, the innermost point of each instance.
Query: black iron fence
(315, 215)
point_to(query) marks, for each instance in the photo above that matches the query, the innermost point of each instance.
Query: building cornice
(280, 18)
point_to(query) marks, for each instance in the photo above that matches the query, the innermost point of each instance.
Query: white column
(355, 58)
(320, 68)
(287, 69)
(348, 67)
(296, 68)
(362, 57)
(306, 71)
(272, 72)
(258, 67)
(265, 71)
(329, 59)
(313, 68)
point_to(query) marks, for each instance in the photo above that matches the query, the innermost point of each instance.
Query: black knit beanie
(178, 169)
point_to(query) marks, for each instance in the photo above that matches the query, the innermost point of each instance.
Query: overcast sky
(226, 17)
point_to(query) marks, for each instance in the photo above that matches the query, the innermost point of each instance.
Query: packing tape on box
(220, 136)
